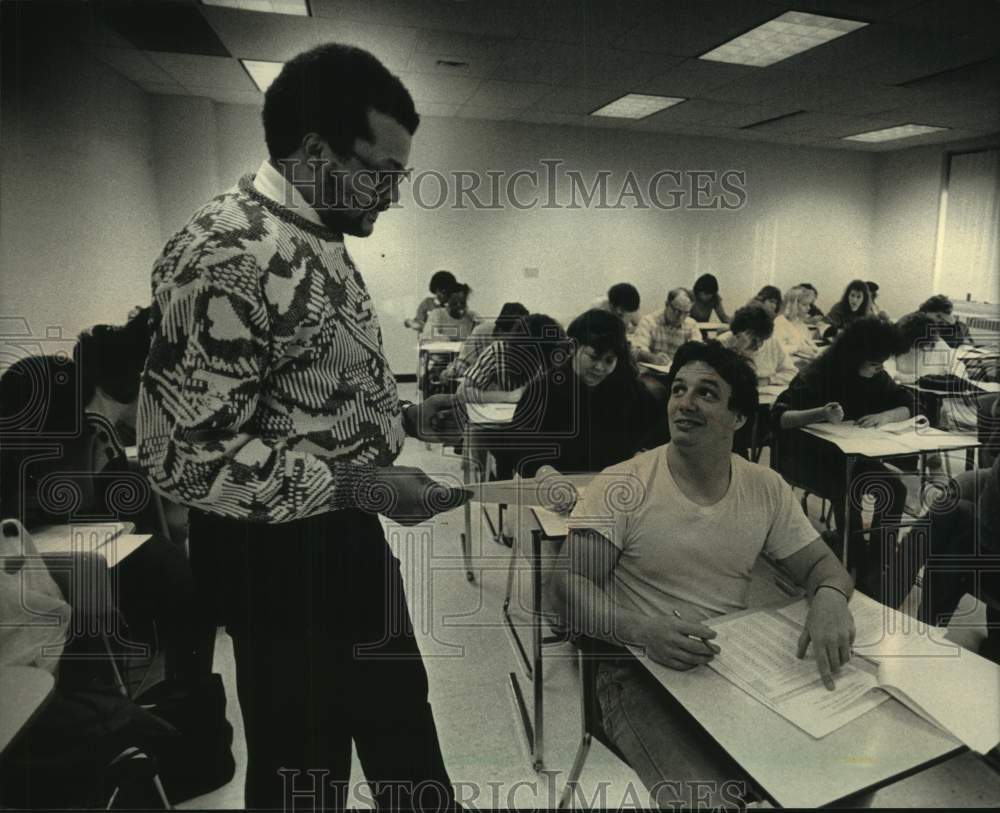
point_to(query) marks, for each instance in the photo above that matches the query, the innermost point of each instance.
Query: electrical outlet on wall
(530, 273)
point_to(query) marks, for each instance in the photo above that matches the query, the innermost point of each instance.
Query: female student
(769, 298)
(591, 411)
(751, 335)
(707, 299)
(441, 283)
(854, 304)
(846, 383)
(791, 330)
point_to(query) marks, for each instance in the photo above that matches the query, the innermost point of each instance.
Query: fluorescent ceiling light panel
(297, 7)
(262, 73)
(636, 106)
(791, 33)
(893, 133)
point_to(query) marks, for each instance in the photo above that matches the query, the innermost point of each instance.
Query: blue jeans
(678, 762)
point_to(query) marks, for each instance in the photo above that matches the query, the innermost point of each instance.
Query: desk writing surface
(712, 326)
(440, 346)
(23, 690)
(659, 368)
(792, 767)
(876, 444)
(490, 413)
(87, 536)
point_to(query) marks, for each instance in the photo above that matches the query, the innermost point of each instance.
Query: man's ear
(740, 420)
(316, 148)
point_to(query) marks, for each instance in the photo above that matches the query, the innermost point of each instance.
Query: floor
(468, 658)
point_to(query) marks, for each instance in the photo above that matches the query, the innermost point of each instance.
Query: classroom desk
(114, 541)
(767, 394)
(438, 347)
(879, 445)
(882, 746)
(711, 329)
(23, 692)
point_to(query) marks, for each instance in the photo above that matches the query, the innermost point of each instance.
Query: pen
(679, 617)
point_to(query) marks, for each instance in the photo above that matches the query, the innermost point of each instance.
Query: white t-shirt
(676, 554)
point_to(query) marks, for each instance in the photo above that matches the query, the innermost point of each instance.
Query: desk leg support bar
(532, 724)
(466, 537)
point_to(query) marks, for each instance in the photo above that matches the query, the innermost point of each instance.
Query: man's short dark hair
(600, 330)
(624, 295)
(735, 370)
(938, 303)
(770, 292)
(913, 327)
(329, 90)
(755, 319)
(459, 288)
(873, 287)
(441, 280)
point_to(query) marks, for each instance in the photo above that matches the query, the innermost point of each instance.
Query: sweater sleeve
(200, 391)
(799, 395)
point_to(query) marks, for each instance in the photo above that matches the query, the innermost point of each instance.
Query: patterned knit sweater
(266, 395)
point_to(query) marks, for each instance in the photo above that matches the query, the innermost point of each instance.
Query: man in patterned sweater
(268, 407)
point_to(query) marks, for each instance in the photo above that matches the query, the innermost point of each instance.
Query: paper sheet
(490, 413)
(82, 536)
(758, 656)
(531, 492)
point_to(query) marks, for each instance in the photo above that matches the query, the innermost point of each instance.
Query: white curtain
(967, 264)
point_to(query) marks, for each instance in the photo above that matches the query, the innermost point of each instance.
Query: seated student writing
(950, 328)
(591, 410)
(791, 330)
(769, 298)
(441, 283)
(647, 569)
(483, 335)
(623, 301)
(750, 335)
(453, 322)
(855, 303)
(660, 334)
(707, 300)
(873, 288)
(502, 371)
(847, 382)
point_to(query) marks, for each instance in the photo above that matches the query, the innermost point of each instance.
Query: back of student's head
(603, 332)
(706, 284)
(441, 281)
(624, 296)
(938, 303)
(510, 318)
(872, 288)
(864, 340)
(112, 357)
(329, 90)
(754, 319)
(913, 329)
(733, 368)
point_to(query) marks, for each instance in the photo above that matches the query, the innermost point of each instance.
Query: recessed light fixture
(297, 7)
(262, 73)
(893, 133)
(791, 33)
(636, 106)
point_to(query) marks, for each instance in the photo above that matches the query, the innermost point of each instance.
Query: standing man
(660, 334)
(268, 407)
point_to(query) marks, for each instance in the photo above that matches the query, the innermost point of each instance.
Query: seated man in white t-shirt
(673, 547)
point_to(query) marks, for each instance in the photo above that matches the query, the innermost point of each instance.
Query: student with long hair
(591, 410)
(707, 299)
(791, 330)
(855, 303)
(846, 383)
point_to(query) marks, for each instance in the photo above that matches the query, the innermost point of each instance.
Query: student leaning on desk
(668, 543)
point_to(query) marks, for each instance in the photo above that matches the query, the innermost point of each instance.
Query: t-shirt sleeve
(790, 529)
(643, 337)
(595, 511)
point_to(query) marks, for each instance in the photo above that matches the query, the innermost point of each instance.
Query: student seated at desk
(815, 314)
(592, 408)
(455, 321)
(855, 303)
(950, 328)
(791, 330)
(873, 288)
(769, 298)
(660, 334)
(483, 335)
(847, 382)
(441, 284)
(750, 335)
(707, 300)
(674, 548)
(503, 369)
(623, 301)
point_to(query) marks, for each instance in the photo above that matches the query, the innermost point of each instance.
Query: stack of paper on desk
(949, 686)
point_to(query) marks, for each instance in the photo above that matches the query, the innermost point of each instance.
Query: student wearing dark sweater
(591, 411)
(847, 383)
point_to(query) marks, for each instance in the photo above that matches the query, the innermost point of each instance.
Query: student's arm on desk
(794, 418)
(581, 594)
(878, 419)
(829, 624)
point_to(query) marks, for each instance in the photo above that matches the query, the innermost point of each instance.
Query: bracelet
(832, 588)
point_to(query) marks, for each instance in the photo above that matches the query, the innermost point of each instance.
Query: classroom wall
(808, 214)
(79, 219)
(908, 192)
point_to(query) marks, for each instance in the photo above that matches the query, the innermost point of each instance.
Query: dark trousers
(325, 654)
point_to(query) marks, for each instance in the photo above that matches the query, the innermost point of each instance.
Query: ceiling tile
(132, 64)
(482, 54)
(536, 61)
(610, 67)
(573, 100)
(164, 26)
(737, 115)
(693, 77)
(495, 93)
(588, 22)
(223, 73)
(692, 111)
(428, 87)
(760, 86)
(437, 109)
(279, 37)
(501, 19)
